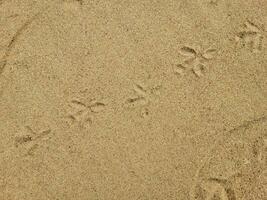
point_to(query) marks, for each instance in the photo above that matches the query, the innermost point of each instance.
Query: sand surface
(133, 100)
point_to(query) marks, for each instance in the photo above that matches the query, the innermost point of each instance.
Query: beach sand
(133, 100)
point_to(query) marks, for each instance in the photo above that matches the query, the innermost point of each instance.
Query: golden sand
(133, 100)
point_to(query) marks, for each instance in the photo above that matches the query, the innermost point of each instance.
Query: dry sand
(133, 100)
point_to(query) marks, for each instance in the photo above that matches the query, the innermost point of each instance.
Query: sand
(133, 100)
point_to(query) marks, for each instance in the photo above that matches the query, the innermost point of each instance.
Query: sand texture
(133, 100)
